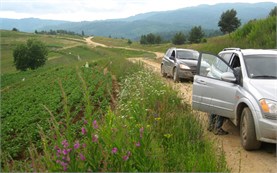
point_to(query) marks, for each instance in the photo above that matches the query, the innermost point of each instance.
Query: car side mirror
(228, 77)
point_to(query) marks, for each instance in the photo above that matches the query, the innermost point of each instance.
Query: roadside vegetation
(108, 116)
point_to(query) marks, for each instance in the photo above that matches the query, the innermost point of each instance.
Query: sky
(90, 10)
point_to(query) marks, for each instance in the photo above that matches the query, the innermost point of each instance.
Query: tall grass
(151, 130)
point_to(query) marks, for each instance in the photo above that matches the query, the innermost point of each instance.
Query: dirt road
(238, 160)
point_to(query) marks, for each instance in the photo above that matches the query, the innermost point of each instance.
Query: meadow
(112, 116)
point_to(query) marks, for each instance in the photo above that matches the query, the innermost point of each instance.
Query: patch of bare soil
(238, 160)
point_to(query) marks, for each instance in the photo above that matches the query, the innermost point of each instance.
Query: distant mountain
(132, 27)
(28, 24)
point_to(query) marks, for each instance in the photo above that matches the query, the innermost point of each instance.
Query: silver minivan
(240, 84)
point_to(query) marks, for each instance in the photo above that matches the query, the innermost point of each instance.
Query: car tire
(162, 71)
(175, 75)
(247, 131)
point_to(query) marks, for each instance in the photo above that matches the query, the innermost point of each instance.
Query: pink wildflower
(126, 157)
(76, 145)
(84, 131)
(65, 143)
(114, 150)
(82, 157)
(138, 144)
(95, 125)
(94, 138)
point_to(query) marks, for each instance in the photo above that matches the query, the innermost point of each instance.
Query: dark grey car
(179, 63)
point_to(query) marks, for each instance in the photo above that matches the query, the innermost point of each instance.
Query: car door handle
(202, 82)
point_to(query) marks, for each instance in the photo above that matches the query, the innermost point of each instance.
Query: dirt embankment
(238, 160)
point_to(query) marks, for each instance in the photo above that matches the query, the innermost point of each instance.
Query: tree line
(228, 23)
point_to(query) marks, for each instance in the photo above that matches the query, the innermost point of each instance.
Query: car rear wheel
(162, 71)
(247, 131)
(175, 75)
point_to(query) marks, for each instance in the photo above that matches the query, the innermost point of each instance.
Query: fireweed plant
(150, 130)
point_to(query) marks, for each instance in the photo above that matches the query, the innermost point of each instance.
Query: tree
(179, 38)
(150, 39)
(15, 29)
(196, 34)
(31, 55)
(273, 12)
(228, 21)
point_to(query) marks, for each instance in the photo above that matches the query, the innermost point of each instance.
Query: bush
(179, 38)
(31, 55)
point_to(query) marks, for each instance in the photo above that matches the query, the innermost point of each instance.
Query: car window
(261, 66)
(183, 54)
(212, 66)
(173, 53)
(226, 56)
(168, 53)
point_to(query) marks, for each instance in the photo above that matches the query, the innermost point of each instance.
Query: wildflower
(76, 145)
(94, 138)
(95, 125)
(84, 131)
(157, 119)
(65, 143)
(168, 135)
(64, 165)
(84, 145)
(138, 144)
(126, 157)
(82, 157)
(114, 150)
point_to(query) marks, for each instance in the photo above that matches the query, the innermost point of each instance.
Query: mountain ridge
(183, 19)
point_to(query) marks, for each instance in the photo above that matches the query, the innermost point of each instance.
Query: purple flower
(65, 143)
(138, 144)
(76, 145)
(82, 157)
(84, 131)
(114, 150)
(126, 157)
(95, 125)
(84, 145)
(94, 138)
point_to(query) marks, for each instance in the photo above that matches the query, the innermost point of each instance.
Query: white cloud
(79, 10)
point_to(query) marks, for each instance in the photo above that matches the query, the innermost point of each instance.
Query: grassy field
(112, 116)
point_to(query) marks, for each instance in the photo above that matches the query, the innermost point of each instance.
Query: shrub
(31, 55)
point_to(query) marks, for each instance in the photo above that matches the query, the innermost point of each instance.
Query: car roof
(192, 50)
(251, 51)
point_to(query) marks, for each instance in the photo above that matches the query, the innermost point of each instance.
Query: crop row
(25, 96)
